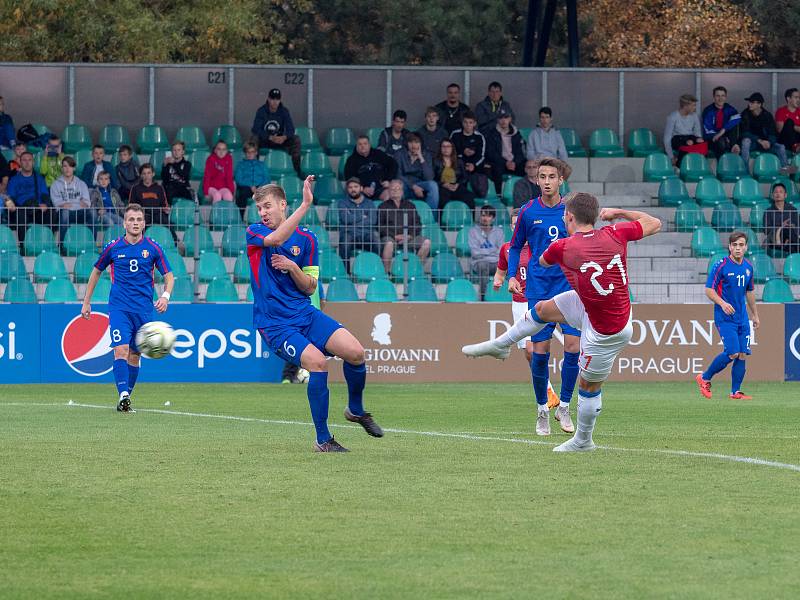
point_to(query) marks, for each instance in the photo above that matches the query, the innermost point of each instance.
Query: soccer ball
(302, 376)
(155, 339)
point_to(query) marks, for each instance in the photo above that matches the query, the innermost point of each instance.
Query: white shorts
(598, 350)
(518, 311)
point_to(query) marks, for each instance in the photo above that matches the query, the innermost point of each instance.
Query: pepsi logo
(86, 345)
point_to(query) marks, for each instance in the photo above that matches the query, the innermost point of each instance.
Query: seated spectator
(176, 174)
(5, 173)
(787, 121)
(451, 109)
(450, 176)
(106, 202)
(721, 124)
(27, 198)
(98, 165)
(781, 224)
(127, 171)
(392, 140)
(250, 174)
(545, 140)
(471, 149)
(758, 130)
(432, 133)
(527, 188)
(8, 134)
(504, 151)
(218, 175)
(50, 163)
(151, 197)
(415, 168)
(274, 128)
(683, 129)
(487, 109)
(15, 164)
(358, 222)
(373, 167)
(400, 227)
(70, 197)
(485, 240)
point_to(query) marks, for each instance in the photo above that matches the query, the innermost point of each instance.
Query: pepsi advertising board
(793, 342)
(20, 355)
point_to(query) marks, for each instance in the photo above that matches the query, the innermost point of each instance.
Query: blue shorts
(735, 337)
(547, 332)
(290, 342)
(123, 327)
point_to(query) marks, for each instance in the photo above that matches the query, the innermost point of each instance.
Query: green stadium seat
(161, 235)
(47, 266)
(462, 243)
(157, 159)
(82, 157)
(183, 291)
(642, 142)
(572, 142)
(657, 166)
(525, 132)
(60, 290)
(198, 157)
(331, 265)
(176, 263)
(500, 295)
(339, 140)
(747, 192)
(705, 242)
(228, 134)
(293, 186)
(425, 213)
(508, 190)
(342, 162)
(234, 240)
(763, 268)
(74, 137)
(446, 267)
(309, 140)
(766, 168)
(113, 136)
(460, 290)
(672, 192)
(316, 163)
(374, 134)
(84, 263)
(791, 268)
(41, 128)
(8, 241)
(709, 192)
(19, 290)
(11, 266)
(327, 191)
(757, 216)
(210, 266)
(381, 290)
(605, 143)
(694, 167)
(251, 214)
(455, 216)
(278, 163)
(203, 243)
(436, 236)
(412, 268)
(731, 168)
(689, 216)
(332, 218)
(38, 239)
(726, 217)
(341, 290)
(777, 291)
(150, 138)
(102, 290)
(241, 269)
(193, 137)
(222, 289)
(182, 214)
(112, 233)
(563, 189)
(368, 266)
(78, 239)
(421, 289)
(224, 214)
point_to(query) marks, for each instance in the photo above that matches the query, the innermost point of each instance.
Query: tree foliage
(779, 22)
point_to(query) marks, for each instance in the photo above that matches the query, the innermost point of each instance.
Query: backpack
(27, 133)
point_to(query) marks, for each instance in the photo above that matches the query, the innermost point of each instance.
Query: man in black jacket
(373, 167)
(274, 128)
(504, 151)
(757, 129)
(452, 110)
(471, 149)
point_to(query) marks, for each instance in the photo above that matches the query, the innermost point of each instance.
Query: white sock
(543, 409)
(523, 328)
(588, 409)
(563, 404)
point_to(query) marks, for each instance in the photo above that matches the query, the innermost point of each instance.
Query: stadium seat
(421, 289)
(198, 158)
(193, 137)
(323, 239)
(161, 235)
(709, 192)
(368, 266)
(82, 157)
(112, 233)
(327, 191)
(83, 266)
(437, 238)
(339, 140)
(705, 242)
(176, 263)
(460, 290)
(757, 216)
(424, 211)
(462, 243)
(791, 268)
(766, 168)
(763, 268)
(694, 167)
(402, 268)
(342, 162)
(331, 265)
(278, 163)
(642, 142)
(210, 266)
(157, 159)
(241, 269)
(332, 218)
(150, 138)
(183, 291)
(499, 295)
(234, 240)
(341, 290)
(689, 216)
(309, 140)
(747, 192)
(777, 291)
(77, 240)
(381, 290)
(508, 190)
(38, 239)
(224, 214)
(316, 163)
(11, 265)
(293, 186)
(605, 143)
(726, 217)
(113, 136)
(47, 266)
(228, 134)
(446, 267)
(8, 241)
(251, 214)
(102, 290)
(672, 192)
(455, 216)
(19, 290)
(203, 243)
(41, 128)
(182, 214)
(221, 289)
(60, 290)
(374, 134)
(657, 166)
(731, 168)
(74, 137)
(572, 142)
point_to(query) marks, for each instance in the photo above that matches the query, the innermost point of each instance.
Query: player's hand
(497, 282)
(281, 262)
(308, 190)
(86, 310)
(609, 214)
(756, 322)
(514, 286)
(727, 308)
(161, 304)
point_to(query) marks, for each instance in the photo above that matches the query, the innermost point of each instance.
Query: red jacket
(218, 173)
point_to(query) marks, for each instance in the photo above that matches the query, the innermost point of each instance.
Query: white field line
(441, 434)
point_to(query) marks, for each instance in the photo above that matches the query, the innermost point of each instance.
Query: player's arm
(750, 296)
(499, 278)
(163, 301)
(712, 295)
(518, 238)
(285, 229)
(86, 309)
(650, 224)
(304, 278)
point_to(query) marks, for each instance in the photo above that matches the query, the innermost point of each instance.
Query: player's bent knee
(121, 351)
(734, 356)
(355, 355)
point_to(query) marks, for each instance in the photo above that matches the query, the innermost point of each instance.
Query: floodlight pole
(530, 33)
(544, 34)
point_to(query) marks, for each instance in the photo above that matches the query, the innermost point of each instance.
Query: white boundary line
(441, 434)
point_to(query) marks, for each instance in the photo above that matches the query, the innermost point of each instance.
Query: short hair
(453, 85)
(26, 153)
(431, 111)
(719, 88)
(69, 160)
(126, 148)
(413, 137)
(788, 93)
(363, 137)
(271, 190)
(546, 110)
(249, 146)
(54, 138)
(134, 207)
(98, 147)
(737, 235)
(686, 100)
(399, 114)
(549, 161)
(495, 84)
(103, 174)
(147, 165)
(468, 114)
(584, 207)
(778, 184)
(489, 209)
(180, 143)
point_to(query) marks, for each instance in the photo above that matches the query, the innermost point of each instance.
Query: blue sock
(737, 375)
(318, 396)
(121, 374)
(133, 374)
(720, 361)
(356, 377)
(539, 377)
(569, 375)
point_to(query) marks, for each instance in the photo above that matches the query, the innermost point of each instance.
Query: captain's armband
(312, 271)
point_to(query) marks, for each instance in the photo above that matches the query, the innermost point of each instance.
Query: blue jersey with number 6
(731, 281)
(131, 268)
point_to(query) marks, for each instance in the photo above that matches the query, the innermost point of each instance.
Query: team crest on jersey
(145, 253)
(295, 250)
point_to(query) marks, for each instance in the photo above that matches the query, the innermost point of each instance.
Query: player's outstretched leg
(319, 399)
(703, 380)
(590, 403)
(531, 323)
(121, 376)
(737, 376)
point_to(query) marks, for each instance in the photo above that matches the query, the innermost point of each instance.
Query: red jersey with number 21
(595, 264)
(522, 271)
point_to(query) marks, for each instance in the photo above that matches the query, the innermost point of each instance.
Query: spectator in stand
(5, 173)
(721, 124)
(545, 140)
(471, 149)
(758, 131)
(432, 133)
(485, 240)
(682, 129)
(27, 198)
(358, 222)
(8, 134)
(527, 188)
(787, 121)
(152, 198)
(489, 108)
(127, 171)
(373, 168)
(92, 169)
(15, 164)
(50, 163)
(218, 174)
(415, 168)
(250, 174)
(106, 202)
(452, 110)
(176, 174)
(451, 176)
(504, 151)
(400, 227)
(393, 139)
(274, 128)
(70, 197)
(781, 224)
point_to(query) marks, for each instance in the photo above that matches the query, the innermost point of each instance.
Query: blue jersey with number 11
(731, 281)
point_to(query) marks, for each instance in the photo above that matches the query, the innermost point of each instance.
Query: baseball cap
(274, 94)
(503, 113)
(755, 97)
(353, 180)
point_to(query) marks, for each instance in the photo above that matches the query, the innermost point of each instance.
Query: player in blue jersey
(540, 222)
(284, 269)
(132, 259)
(730, 288)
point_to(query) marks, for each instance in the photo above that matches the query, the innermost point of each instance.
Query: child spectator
(127, 171)
(50, 165)
(218, 175)
(176, 173)
(106, 201)
(249, 175)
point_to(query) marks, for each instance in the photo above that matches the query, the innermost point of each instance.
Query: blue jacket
(88, 174)
(7, 133)
(269, 123)
(730, 119)
(251, 173)
(22, 190)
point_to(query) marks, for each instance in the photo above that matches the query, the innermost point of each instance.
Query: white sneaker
(543, 422)
(487, 348)
(572, 445)
(562, 416)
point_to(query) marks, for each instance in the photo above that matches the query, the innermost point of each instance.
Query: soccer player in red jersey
(594, 262)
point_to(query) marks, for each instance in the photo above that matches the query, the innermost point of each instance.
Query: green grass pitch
(98, 504)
